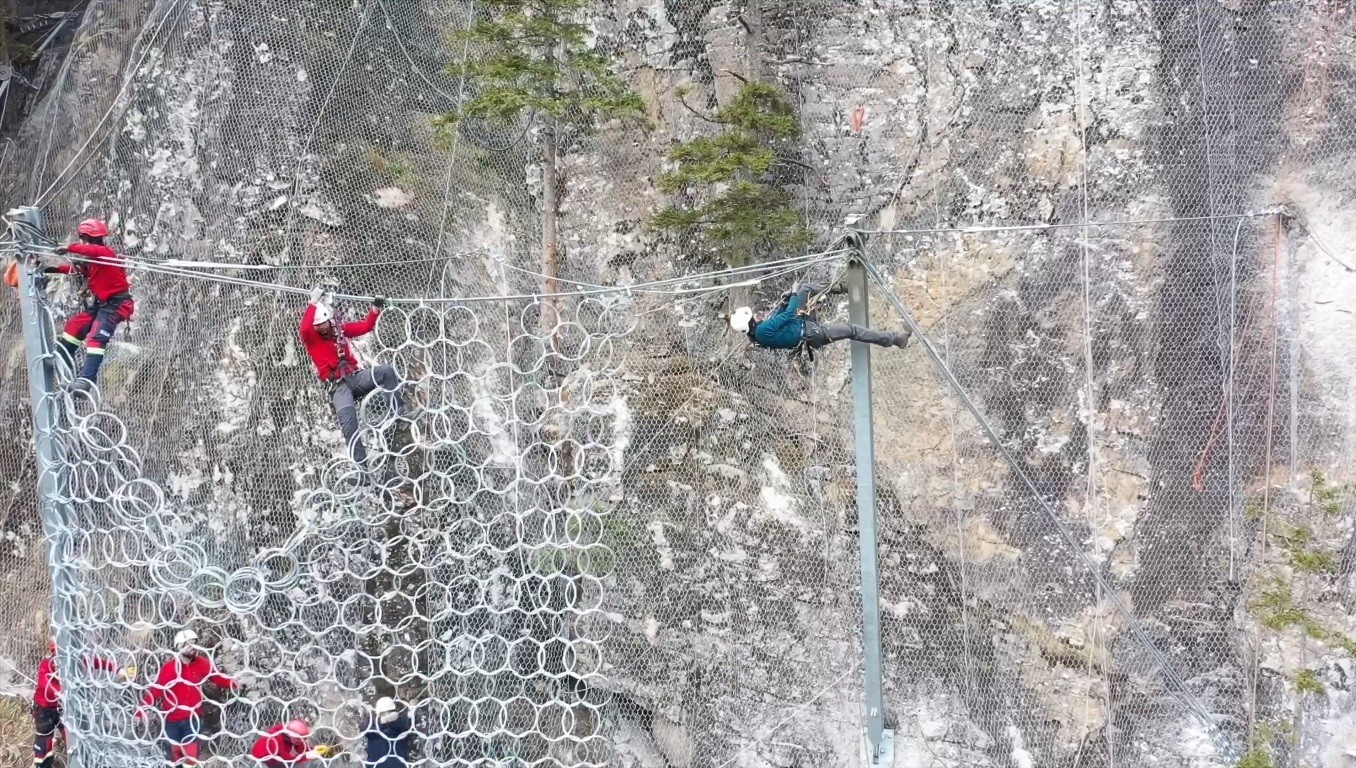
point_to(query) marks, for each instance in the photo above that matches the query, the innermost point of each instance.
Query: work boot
(901, 339)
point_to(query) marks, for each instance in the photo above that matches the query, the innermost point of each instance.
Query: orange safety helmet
(93, 228)
(12, 274)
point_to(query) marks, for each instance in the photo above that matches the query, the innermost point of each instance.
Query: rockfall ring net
(632, 539)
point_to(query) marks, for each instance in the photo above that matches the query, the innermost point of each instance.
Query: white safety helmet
(740, 319)
(386, 710)
(323, 314)
(185, 639)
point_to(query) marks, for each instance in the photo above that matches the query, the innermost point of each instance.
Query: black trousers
(350, 391)
(819, 334)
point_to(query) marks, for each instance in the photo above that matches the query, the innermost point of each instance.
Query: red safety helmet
(93, 228)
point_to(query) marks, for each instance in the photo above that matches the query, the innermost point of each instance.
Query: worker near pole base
(388, 736)
(177, 694)
(286, 746)
(106, 276)
(337, 364)
(47, 702)
(790, 326)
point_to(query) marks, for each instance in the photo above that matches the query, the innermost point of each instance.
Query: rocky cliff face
(1176, 388)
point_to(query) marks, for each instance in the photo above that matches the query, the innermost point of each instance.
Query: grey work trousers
(350, 390)
(819, 334)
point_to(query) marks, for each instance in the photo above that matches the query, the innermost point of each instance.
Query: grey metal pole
(879, 741)
(39, 355)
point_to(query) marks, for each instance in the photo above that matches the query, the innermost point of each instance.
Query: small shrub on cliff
(730, 201)
(1307, 682)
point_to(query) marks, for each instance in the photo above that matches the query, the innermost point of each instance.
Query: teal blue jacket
(783, 330)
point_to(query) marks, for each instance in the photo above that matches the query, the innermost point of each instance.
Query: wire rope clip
(856, 242)
(25, 222)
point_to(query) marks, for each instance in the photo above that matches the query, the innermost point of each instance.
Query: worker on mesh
(287, 745)
(388, 736)
(177, 695)
(47, 701)
(327, 343)
(110, 303)
(793, 325)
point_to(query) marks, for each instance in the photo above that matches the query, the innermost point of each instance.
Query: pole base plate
(886, 755)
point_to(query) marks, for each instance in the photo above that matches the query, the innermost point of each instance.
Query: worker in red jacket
(336, 362)
(106, 275)
(47, 702)
(286, 746)
(178, 694)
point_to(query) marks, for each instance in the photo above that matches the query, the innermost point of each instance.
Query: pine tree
(536, 59)
(736, 209)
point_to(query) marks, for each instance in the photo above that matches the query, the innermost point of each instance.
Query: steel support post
(40, 356)
(879, 740)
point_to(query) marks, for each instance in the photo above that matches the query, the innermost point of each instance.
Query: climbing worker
(327, 343)
(388, 736)
(177, 693)
(286, 745)
(47, 701)
(790, 325)
(110, 305)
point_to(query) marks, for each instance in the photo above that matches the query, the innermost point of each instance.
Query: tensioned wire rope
(919, 231)
(666, 286)
(191, 269)
(977, 230)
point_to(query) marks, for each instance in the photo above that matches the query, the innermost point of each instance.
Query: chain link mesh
(618, 535)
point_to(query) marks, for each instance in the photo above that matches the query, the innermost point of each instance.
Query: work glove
(316, 294)
(326, 751)
(379, 302)
(128, 673)
(62, 250)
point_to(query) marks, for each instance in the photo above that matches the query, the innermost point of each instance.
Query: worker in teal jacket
(788, 327)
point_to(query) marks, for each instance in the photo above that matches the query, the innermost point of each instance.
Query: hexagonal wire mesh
(664, 524)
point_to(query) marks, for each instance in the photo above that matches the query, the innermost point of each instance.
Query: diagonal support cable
(1177, 687)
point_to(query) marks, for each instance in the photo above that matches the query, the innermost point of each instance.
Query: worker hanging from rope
(109, 306)
(327, 342)
(47, 701)
(794, 324)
